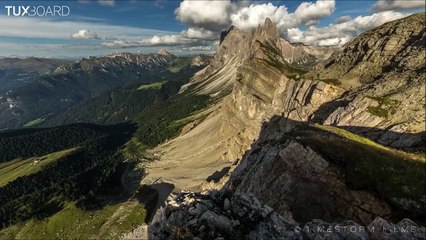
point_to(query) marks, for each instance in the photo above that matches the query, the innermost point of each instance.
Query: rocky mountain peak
(164, 52)
(238, 48)
(268, 31)
(225, 33)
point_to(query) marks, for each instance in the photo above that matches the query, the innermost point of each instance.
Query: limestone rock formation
(238, 48)
(222, 215)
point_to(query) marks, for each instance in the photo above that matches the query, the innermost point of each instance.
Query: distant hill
(16, 72)
(126, 103)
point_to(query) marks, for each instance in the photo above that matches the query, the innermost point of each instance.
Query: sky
(100, 27)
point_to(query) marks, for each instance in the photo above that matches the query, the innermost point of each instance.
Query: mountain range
(267, 139)
(71, 84)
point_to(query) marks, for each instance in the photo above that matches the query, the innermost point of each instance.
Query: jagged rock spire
(225, 33)
(268, 31)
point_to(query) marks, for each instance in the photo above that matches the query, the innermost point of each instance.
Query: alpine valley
(267, 139)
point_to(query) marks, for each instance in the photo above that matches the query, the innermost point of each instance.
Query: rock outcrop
(222, 215)
(303, 178)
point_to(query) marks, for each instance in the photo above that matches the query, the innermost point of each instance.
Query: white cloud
(343, 19)
(307, 12)
(295, 35)
(85, 34)
(341, 32)
(250, 17)
(199, 33)
(166, 40)
(205, 14)
(385, 5)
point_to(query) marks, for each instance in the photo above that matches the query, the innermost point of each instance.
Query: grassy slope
(396, 175)
(34, 122)
(156, 85)
(18, 167)
(109, 222)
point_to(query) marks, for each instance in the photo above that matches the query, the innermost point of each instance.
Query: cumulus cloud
(199, 33)
(341, 32)
(205, 14)
(343, 19)
(307, 12)
(166, 40)
(386, 5)
(295, 35)
(250, 17)
(85, 34)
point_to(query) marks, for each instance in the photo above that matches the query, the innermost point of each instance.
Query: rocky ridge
(383, 73)
(221, 215)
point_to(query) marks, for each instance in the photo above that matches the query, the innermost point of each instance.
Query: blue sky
(99, 27)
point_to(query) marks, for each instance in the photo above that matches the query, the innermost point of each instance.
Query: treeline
(75, 177)
(29, 143)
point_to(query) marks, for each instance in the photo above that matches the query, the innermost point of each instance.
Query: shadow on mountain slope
(310, 172)
(411, 142)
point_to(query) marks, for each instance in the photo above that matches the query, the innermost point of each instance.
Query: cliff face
(268, 85)
(383, 71)
(218, 77)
